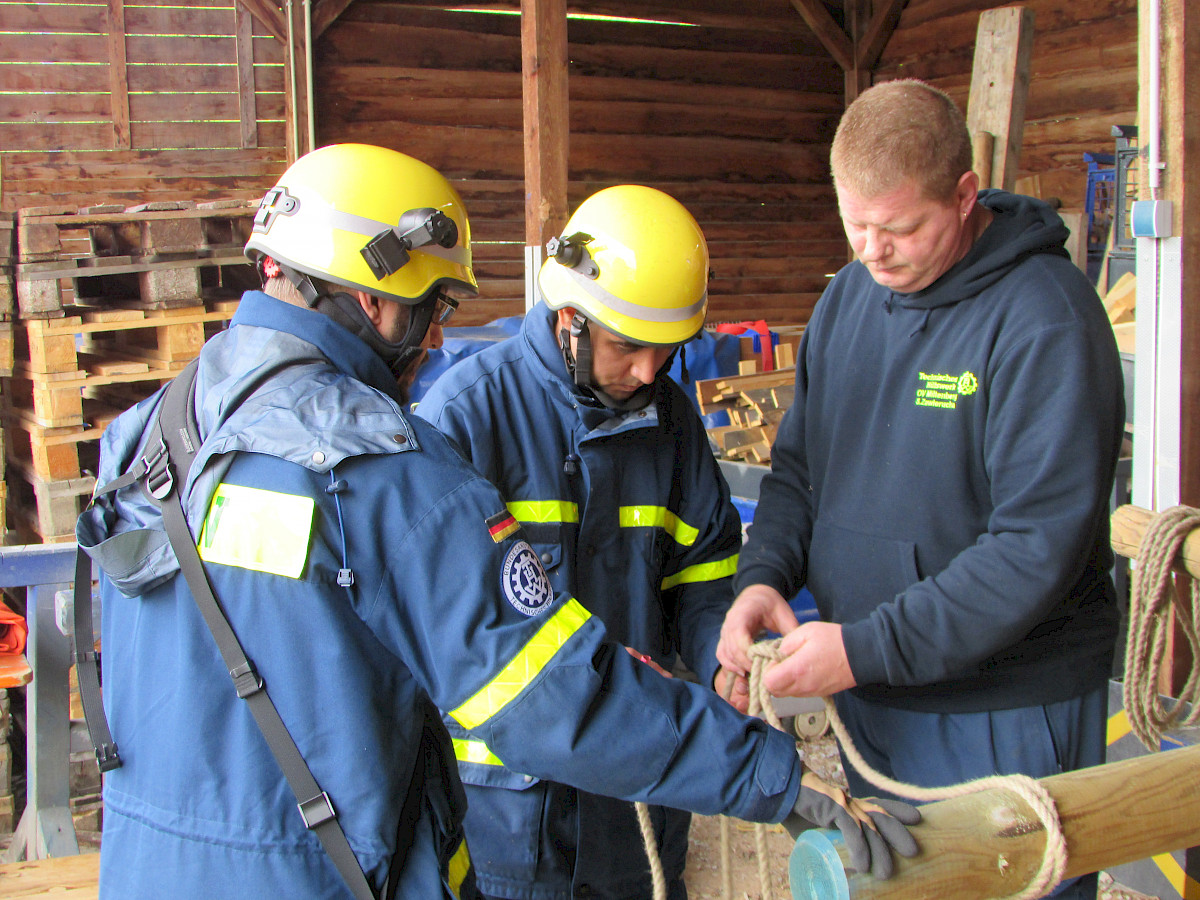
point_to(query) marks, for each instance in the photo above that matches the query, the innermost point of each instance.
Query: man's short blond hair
(901, 131)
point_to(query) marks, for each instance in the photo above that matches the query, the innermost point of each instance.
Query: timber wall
(732, 115)
(1084, 78)
(123, 103)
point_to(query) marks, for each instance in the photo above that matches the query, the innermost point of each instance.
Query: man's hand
(871, 829)
(757, 609)
(814, 663)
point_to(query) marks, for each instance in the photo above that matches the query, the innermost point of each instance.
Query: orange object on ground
(14, 668)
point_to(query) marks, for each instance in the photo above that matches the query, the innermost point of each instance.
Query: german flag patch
(501, 525)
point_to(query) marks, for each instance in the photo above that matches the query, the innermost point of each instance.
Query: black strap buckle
(160, 481)
(245, 680)
(316, 810)
(107, 757)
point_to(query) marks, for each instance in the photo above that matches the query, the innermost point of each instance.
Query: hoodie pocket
(851, 573)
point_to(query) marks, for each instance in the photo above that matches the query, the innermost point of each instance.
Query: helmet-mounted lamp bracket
(276, 202)
(387, 252)
(571, 251)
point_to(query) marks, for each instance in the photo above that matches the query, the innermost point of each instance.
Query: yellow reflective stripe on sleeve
(544, 510)
(457, 869)
(474, 752)
(651, 516)
(709, 571)
(256, 529)
(523, 667)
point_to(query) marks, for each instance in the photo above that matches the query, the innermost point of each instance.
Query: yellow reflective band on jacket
(523, 667)
(474, 752)
(651, 516)
(459, 866)
(544, 510)
(256, 529)
(709, 571)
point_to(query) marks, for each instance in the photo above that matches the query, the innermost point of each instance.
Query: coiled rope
(1150, 626)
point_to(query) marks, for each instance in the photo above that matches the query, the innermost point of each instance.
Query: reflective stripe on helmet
(636, 310)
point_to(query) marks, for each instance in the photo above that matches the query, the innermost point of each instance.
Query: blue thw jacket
(628, 513)
(308, 467)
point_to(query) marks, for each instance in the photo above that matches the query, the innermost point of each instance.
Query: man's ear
(371, 305)
(565, 315)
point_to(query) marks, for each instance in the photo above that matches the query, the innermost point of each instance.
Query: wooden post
(990, 844)
(547, 127)
(999, 86)
(983, 148)
(1129, 524)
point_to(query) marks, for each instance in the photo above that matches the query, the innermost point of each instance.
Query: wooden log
(1000, 85)
(1129, 525)
(990, 844)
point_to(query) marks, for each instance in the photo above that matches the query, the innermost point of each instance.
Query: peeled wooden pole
(990, 844)
(1129, 525)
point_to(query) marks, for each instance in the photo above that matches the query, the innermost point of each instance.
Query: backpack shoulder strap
(174, 440)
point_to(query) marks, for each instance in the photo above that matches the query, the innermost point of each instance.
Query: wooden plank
(118, 85)
(66, 877)
(1000, 85)
(247, 110)
(869, 47)
(326, 13)
(545, 116)
(269, 15)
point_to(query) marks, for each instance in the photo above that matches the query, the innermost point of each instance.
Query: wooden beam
(546, 121)
(828, 32)
(325, 13)
(1129, 525)
(1000, 85)
(247, 107)
(869, 46)
(118, 81)
(270, 15)
(990, 844)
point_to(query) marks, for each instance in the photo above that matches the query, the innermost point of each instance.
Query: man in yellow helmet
(607, 467)
(364, 573)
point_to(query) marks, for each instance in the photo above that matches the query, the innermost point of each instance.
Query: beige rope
(1054, 860)
(657, 879)
(1150, 627)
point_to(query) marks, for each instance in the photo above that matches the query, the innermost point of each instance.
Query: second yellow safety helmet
(633, 260)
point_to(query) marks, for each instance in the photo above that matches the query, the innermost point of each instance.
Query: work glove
(870, 829)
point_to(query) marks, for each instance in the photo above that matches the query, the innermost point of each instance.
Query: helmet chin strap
(579, 364)
(345, 309)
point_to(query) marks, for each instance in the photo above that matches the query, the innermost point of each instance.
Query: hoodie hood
(1021, 227)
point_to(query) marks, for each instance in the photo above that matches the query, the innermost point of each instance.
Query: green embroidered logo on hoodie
(943, 391)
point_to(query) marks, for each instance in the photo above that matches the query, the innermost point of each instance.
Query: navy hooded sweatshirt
(941, 483)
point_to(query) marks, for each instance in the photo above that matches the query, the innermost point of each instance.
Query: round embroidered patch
(524, 580)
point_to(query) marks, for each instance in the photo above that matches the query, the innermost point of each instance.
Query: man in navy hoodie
(941, 483)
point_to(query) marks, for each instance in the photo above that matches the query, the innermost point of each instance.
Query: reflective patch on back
(524, 580)
(251, 528)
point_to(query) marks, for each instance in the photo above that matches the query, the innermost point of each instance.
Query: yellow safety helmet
(368, 218)
(634, 261)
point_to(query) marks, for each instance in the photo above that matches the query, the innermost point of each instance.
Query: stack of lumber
(755, 404)
(1121, 304)
(112, 303)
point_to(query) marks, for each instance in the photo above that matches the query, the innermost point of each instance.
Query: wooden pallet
(755, 405)
(44, 512)
(155, 256)
(60, 362)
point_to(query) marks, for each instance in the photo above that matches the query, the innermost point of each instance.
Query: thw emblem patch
(524, 580)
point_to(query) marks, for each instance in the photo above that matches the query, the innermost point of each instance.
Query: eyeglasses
(444, 308)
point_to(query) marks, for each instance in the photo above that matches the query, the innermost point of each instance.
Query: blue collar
(346, 351)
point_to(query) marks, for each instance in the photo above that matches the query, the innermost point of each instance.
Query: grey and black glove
(870, 829)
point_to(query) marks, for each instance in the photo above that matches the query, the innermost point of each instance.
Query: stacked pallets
(755, 404)
(112, 302)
